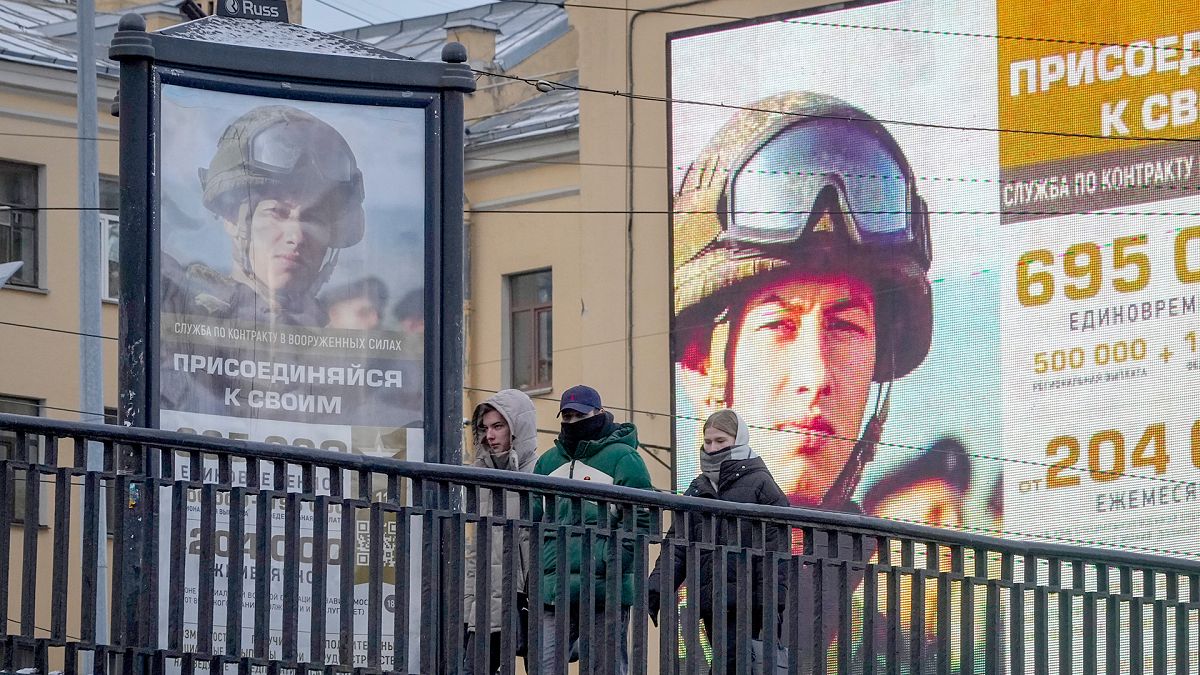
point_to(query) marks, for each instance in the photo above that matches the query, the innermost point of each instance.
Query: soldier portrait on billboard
(286, 229)
(801, 252)
(288, 192)
(356, 305)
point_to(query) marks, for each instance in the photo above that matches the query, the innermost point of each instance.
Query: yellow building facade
(568, 237)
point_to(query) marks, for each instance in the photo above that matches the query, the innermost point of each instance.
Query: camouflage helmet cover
(709, 267)
(232, 175)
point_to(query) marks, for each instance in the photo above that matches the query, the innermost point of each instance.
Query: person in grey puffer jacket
(505, 435)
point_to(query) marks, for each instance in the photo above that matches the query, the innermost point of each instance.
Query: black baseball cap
(580, 398)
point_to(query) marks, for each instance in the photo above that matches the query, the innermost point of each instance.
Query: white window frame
(108, 222)
(36, 264)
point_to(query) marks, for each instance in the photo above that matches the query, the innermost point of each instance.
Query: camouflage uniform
(274, 147)
(716, 267)
(270, 147)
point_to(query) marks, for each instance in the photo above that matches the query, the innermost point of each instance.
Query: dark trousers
(493, 665)
(757, 647)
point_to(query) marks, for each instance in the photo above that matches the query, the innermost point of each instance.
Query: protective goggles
(280, 149)
(771, 199)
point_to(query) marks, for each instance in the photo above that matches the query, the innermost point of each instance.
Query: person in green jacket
(590, 447)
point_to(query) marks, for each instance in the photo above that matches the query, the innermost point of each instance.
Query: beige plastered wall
(38, 126)
(607, 265)
(611, 268)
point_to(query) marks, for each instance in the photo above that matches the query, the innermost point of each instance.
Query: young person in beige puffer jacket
(505, 437)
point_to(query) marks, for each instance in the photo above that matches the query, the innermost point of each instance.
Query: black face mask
(589, 429)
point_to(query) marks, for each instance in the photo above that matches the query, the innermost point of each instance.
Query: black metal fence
(230, 556)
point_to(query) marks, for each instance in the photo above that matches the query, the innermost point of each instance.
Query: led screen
(979, 218)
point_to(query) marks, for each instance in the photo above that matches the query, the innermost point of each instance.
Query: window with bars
(531, 329)
(19, 220)
(19, 405)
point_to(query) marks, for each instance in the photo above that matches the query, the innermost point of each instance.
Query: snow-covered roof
(25, 38)
(523, 29)
(545, 114)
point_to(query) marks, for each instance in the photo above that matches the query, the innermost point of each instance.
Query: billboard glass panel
(291, 305)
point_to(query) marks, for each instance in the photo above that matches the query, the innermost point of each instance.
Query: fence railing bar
(946, 606)
(346, 581)
(89, 574)
(502, 479)
(235, 603)
(291, 576)
(404, 564)
(178, 537)
(207, 579)
(29, 569)
(264, 505)
(62, 545)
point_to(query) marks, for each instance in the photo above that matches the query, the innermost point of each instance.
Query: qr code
(362, 549)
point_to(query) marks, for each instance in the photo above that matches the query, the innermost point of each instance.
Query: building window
(17, 405)
(110, 191)
(19, 220)
(531, 329)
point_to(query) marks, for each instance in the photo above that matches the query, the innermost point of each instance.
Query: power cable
(346, 12)
(55, 330)
(44, 630)
(784, 172)
(673, 416)
(16, 134)
(827, 24)
(648, 447)
(668, 212)
(542, 84)
(846, 439)
(692, 212)
(982, 530)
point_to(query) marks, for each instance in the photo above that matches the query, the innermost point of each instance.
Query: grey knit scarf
(710, 462)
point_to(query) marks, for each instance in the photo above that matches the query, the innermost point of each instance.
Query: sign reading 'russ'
(266, 10)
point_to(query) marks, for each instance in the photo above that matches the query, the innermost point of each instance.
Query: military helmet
(278, 145)
(747, 210)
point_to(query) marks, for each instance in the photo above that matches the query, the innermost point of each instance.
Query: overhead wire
(831, 24)
(672, 416)
(686, 212)
(966, 212)
(784, 172)
(848, 439)
(839, 118)
(55, 330)
(22, 134)
(348, 13)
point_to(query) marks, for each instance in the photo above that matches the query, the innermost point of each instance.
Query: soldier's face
(289, 236)
(803, 360)
(354, 313)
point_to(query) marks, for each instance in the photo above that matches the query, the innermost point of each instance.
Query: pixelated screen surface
(980, 217)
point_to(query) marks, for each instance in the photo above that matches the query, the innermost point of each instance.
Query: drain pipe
(630, 182)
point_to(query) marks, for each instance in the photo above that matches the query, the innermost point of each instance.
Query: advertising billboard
(941, 213)
(291, 294)
(972, 222)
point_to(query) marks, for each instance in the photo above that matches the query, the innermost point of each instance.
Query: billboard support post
(238, 136)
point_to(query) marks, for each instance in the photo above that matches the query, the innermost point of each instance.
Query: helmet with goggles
(803, 182)
(281, 147)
